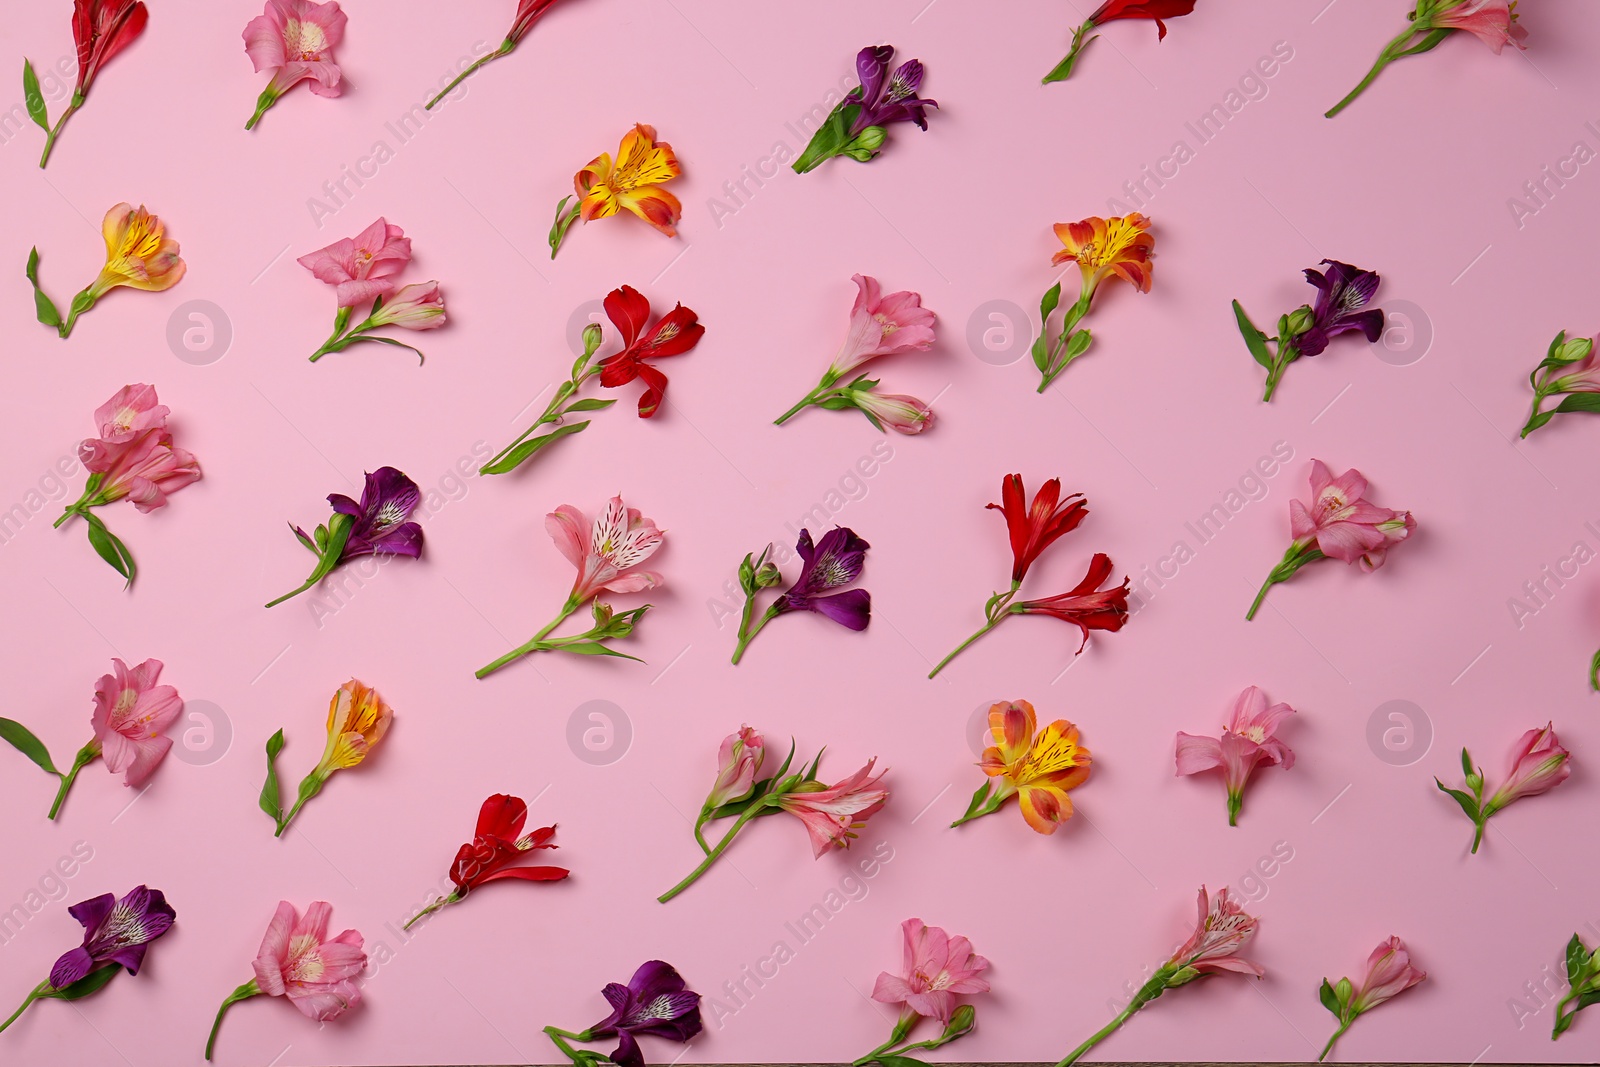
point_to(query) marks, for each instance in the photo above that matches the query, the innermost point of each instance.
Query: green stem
(1148, 992)
(533, 643)
(86, 755)
(1287, 353)
(244, 992)
(1385, 57)
(1069, 322)
(1538, 402)
(1255, 607)
(716, 853)
(430, 909)
(552, 413)
(38, 991)
(747, 632)
(991, 624)
(809, 399)
(505, 48)
(1063, 70)
(309, 582)
(1477, 836)
(55, 131)
(1337, 1034)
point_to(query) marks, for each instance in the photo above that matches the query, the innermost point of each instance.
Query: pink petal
(1195, 754)
(565, 526)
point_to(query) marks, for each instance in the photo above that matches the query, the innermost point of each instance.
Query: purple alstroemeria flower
(1342, 293)
(656, 1001)
(382, 518)
(115, 931)
(897, 101)
(834, 561)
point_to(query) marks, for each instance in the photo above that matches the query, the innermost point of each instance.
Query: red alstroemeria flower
(1156, 10)
(497, 843)
(1086, 605)
(1033, 528)
(101, 29)
(673, 334)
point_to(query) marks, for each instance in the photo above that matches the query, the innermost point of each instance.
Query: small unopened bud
(768, 576)
(1300, 320)
(592, 335)
(1575, 349)
(962, 1022)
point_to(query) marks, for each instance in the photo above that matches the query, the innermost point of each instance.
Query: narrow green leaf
(1427, 44)
(92, 982)
(1579, 402)
(1047, 307)
(22, 739)
(110, 547)
(1587, 999)
(977, 800)
(1468, 804)
(44, 308)
(1577, 957)
(519, 455)
(594, 648)
(590, 404)
(1466, 763)
(270, 802)
(33, 98)
(1041, 353)
(898, 1061)
(1330, 1000)
(1254, 339)
(1079, 343)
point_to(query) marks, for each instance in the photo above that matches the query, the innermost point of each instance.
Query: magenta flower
(1340, 523)
(879, 326)
(1538, 765)
(834, 813)
(362, 267)
(298, 960)
(1222, 931)
(609, 554)
(938, 968)
(857, 126)
(1389, 973)
(295, 39)
(831, 563)
(656, 1002)
(380, 525)
(1248, 740)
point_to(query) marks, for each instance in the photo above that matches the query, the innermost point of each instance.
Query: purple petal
(344, 505)
(92, 912)
(670, 1015)
(872, 63)
(130, 956)
(388, 487)
(653, 978)
(852, 608)
(405, 540)
(627, 1052)
(71, 967)
(907, 79)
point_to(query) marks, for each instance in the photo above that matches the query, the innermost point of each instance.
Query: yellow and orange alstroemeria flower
(358, 718)
(138, 253)
(1121, 246)
(632, 181)
(1040, 770)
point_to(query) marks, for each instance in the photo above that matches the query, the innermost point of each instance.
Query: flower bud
(768, 575)
(592, 335)
(864, 145)
(962, 1022)
(1300, 320)
(1575, 349)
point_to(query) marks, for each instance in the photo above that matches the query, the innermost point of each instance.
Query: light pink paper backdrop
(1156, 425)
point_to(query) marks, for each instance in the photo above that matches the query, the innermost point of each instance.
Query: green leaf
(1468, 804)
(1537, 421)
(44, 308)
(1594, 672)
(977, 799)
(563, 222)
(110, 547)
(1577, 960)
(33, 98)
(1466, 763)
(1587, 999)
(22, 739)
(888, 1060)
(1254, 339)
(519, 455)
(1579, 402)
(830, 138)
(1427, 44)
(270, 802)
(1047, 307)
(357, 339)
(1078, 344)
(1330, 1000)
(590, 404)
(594, 648)
(92, 982)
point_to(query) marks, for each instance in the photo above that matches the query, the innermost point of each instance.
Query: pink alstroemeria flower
(833, 814)
(882, 325)
(131, 717)
(1494, 22)
(938, 968)
(300, 961)
(146, 470)
(133, 410)
(738, 762)
(1222, 930)
(414, 307)
(1538, 765)
(897, 411)
(608, 553)
(1248, 739)
(361, 267)
(295, 40)
(1389, 973)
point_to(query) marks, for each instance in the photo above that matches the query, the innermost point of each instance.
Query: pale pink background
(1156, 425)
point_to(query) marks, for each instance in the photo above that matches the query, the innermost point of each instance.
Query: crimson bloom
(1389, 973)
(100, 29)
(496, 845)
(673, 334)
(1033, 528)
(1111, 11)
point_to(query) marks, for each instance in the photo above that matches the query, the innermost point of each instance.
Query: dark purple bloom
(656, 1001)
(115, 931)
(1342, 293)
(834, 561)
(895, 102)
(382, 523)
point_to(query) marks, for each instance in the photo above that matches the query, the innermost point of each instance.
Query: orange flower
(1039, 771)
(630, 182)
(357, 719)
(1119, 246)
(138, 253)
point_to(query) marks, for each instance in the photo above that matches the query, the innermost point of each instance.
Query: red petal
(676, 333)
(619, 369)
(655, 392)
(628, 311)
(501, 816)
(528, 874)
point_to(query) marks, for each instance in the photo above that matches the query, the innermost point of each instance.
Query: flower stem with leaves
(1053, 357)
(344, 335)
(608, 624)
(561, 405)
